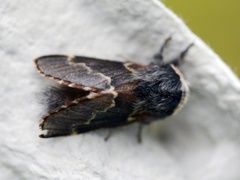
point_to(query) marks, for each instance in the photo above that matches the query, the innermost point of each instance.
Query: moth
(95, 93)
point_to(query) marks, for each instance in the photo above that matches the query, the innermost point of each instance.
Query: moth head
(162, 91)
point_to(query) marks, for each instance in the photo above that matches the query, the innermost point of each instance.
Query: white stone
(201, 142)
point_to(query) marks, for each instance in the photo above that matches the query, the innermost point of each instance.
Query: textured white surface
(201, 142)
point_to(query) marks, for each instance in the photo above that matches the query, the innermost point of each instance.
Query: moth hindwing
(94, 93)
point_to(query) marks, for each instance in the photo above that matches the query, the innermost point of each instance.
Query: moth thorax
(164, 93)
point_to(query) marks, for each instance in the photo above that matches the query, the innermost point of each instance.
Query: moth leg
(178, 61)
(108, 135)
(139, 132)
(159, 55)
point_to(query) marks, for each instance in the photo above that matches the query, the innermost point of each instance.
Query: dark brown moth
(95, 93)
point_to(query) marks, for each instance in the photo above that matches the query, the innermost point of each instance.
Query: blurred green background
(217, 22)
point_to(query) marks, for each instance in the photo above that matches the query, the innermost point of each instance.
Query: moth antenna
(179, 60)
(159, 55)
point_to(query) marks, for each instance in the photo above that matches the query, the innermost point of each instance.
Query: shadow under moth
(95, 93)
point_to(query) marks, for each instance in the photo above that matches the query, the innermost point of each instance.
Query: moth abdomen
(56, 96)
